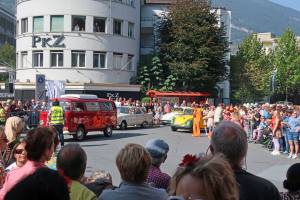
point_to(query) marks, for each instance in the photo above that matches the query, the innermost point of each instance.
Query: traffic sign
(40, 92)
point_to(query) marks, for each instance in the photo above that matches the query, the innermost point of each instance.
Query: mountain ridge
(259, 16)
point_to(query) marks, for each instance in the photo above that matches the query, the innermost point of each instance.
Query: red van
(85, 113)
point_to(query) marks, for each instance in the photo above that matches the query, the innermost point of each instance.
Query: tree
(8, 56)
(287, 62)
(193, 46)
(169, 84)
(250, 71)
(151, 77)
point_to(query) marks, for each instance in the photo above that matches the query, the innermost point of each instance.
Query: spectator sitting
(133, 162)
(44, 184)
(39, 147)
(230, 139)
(13, 128)
(20, 156)
(71, 162)
(158, 150)
(292, 183)
(208, 178)
(99, 181)
(258, 132)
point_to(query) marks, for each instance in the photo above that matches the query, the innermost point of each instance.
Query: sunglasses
(19, 151)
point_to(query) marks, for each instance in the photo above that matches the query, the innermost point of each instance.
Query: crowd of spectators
(33, 168)
(217, 175)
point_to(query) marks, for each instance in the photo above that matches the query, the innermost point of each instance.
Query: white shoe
(294, 156)
(275, 153)
(290, 155)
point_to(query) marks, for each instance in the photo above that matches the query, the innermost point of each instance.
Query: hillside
(259, 16)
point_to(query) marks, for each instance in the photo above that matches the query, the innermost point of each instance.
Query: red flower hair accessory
(67, 179)
(189, 159)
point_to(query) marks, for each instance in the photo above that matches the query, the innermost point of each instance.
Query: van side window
(92, 106)
(78, 106)
(106, 106)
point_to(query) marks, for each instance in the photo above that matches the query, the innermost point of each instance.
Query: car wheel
(173, 128)
(80, 134)
(123, 125)
(144, 124)
(108, 131)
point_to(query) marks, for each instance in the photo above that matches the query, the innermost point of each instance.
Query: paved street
(102, 152)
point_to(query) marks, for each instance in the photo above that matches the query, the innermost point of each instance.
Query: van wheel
(108, 131)
(123, 125)
(80, 134)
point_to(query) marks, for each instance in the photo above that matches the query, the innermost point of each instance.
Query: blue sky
(289, 3)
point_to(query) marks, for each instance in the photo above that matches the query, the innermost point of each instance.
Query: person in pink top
(39, 147)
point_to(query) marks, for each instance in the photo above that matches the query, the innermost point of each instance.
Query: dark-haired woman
(292, 183)
(39, 148)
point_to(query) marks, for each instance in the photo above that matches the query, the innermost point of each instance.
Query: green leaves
(8, 56)
(192, 46)
(287, 62)
(250, 71)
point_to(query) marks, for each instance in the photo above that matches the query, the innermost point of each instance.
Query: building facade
(7, 27)
(92, 45)
(151, 13)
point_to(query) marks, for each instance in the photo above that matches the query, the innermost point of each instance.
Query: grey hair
(230, 139)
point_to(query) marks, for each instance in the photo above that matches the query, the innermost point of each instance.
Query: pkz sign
(55, 41)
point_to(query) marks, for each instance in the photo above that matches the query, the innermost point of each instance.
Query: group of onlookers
(27, 170)
(279, 124)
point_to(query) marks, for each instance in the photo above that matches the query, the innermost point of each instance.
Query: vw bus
(85, 113)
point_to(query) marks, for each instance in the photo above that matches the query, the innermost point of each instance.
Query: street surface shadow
(93, 145)
(115, 136)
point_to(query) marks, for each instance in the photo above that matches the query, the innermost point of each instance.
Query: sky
(289, 3)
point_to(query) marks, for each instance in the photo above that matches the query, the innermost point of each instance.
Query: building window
(57, 58)
(38, 24)
(78, 58)
(17, 28)
(130, 62)
(17, 60)
(99, 59)
(24, 63)
(118, 27)
(24, 25)
(37, 58)
(78, 23)
(57, 23)
(130, 30)
(99, 24)
(117, 61)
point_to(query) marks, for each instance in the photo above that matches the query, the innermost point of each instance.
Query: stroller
(267, 139)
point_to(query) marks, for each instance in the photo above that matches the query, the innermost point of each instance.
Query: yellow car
(184, 121)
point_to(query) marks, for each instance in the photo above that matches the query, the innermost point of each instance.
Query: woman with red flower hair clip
(209, 178)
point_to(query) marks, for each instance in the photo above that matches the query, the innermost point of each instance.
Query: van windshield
(65, 105)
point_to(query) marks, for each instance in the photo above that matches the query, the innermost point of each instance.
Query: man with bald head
(71, 161)
(230, 139)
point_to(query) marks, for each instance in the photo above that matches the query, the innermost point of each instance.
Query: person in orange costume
(197, 115)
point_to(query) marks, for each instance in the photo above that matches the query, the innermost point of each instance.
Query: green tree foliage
(250, 71)
(8, 55)
(169, 84)
(287, 62)
(151, 77)
(193, 46)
